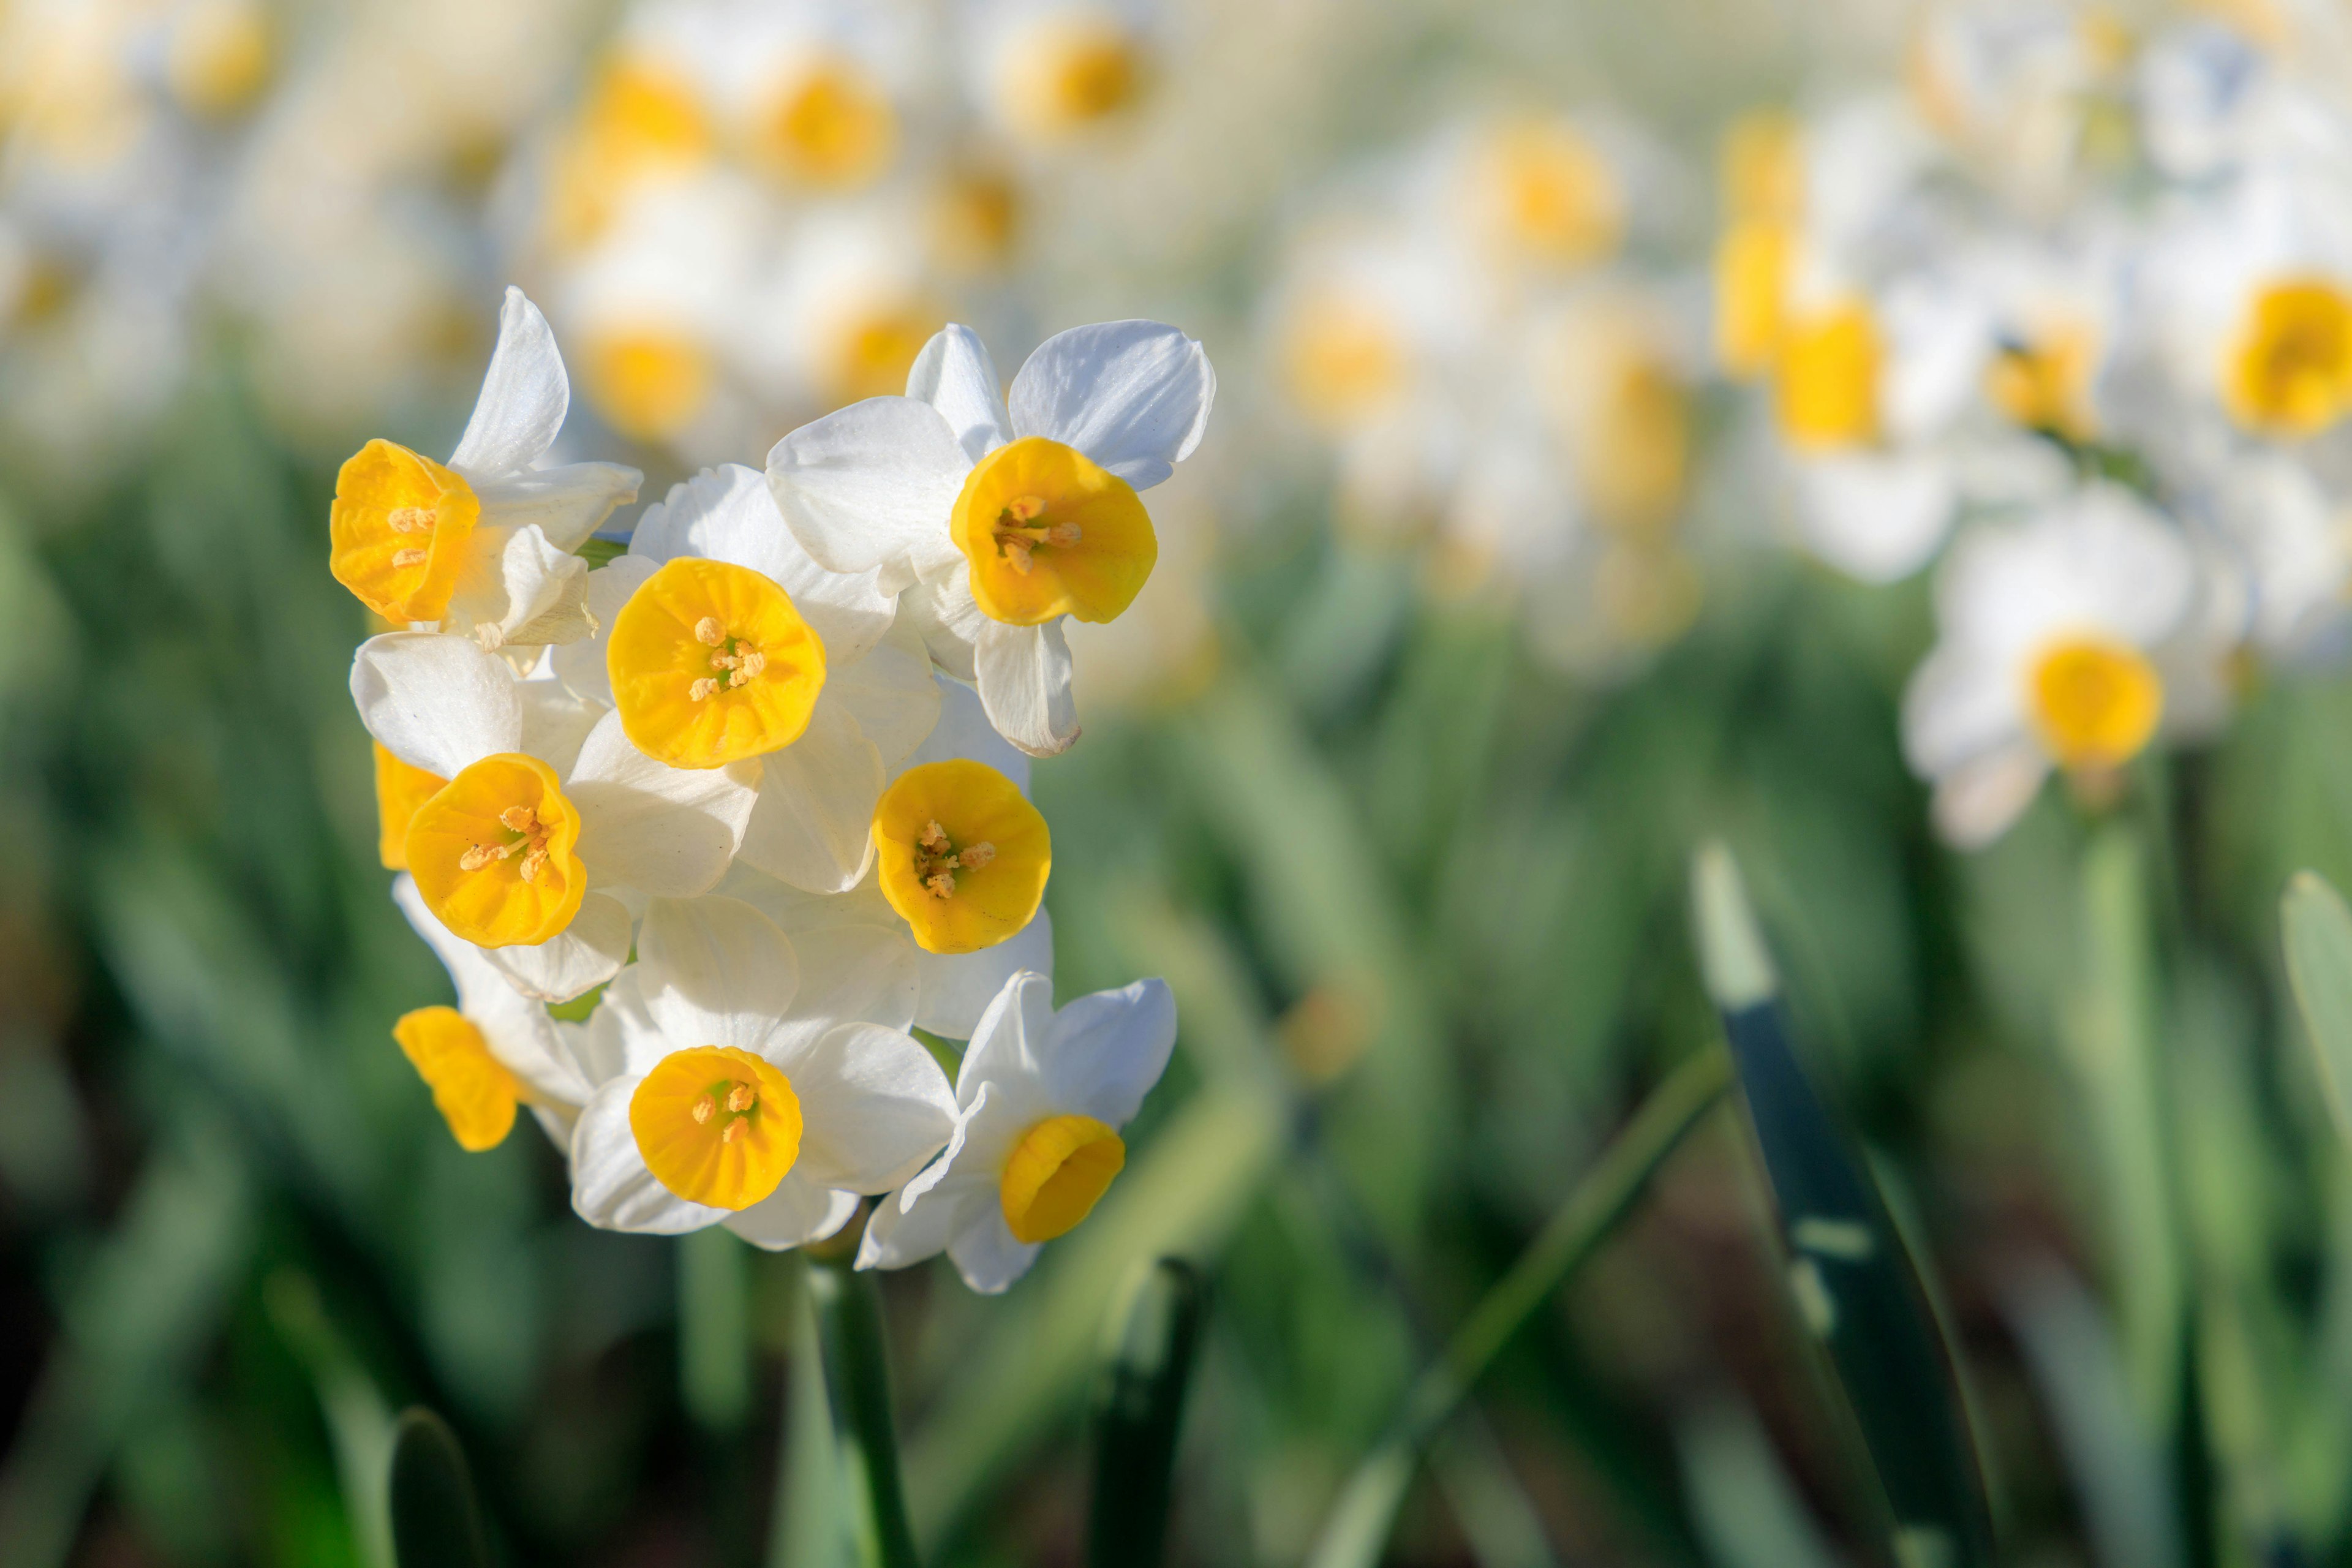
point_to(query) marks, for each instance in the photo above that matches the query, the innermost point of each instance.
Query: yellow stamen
(963, 856)
(710, 663)
(472, 1088)
(729, 1161)
(2095, 702)
(1056, 1174)
(1047, 532)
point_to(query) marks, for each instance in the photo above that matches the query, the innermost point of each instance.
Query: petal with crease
(715, 972)
(987, 1256)
(875, 1108)
(872, 486)
(897, 1236)
(1101, 1054)
(577, 958)
(955, 375)
(948, 618)
(666, 831)
(797, 1212)
(524, 396)
(436, 702)
(1024, 685)
(812, 823)
(1132, 396)
(581, 665)
(566, 503)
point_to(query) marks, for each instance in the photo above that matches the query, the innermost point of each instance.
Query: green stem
(857, 1383)
(1366, 1509)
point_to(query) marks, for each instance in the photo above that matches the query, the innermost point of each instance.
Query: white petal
(812, 823)
(728, 514)
(559, 1123)
(1132, 396)
(870, 485)
(666, 831)
(577, 958)
(890, 693)
(1101, 1054)
(1024, 685)
(1961, 703)
(715, 972)
(1878, 517)
(963, 731)
(521, 587)
(948, 618)
(795, 911)
(1975, 804)
(516, 1029)
(987, 1257)
(581, 665)
(797, 1212)
(957, 988)
(555, 723)
(875, 1108)
(524, 396)
(955, 375)
(897, 1236)
(855, 974)
(435, 702)
(1002, 1065)
(611, 1188)
(566, 503)
(621, 1039)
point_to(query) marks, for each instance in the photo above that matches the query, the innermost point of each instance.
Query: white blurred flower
(1052, 72)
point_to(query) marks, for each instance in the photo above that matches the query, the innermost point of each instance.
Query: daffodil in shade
(744, 1084)
(482, 545)
(988, 519)
(722, 642)
(953, 988)
(551, 823)
(495, 1051)
(1039, 1104)
(2066, 641)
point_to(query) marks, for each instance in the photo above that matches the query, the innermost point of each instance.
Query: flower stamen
(937, 859)
(530, 841)
(1021, 530)
(736, 661)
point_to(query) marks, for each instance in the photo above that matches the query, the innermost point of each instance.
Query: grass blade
(435, 1522)
(1854, 1283)
(865, 1431)
(1136, 1419)
(2317, 930)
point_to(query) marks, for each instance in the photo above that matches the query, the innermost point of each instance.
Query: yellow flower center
(717, 1125)
(963, 855)
(1825, 378)
(1343, 362)
(1763, 168)
(1636, 447)
(220, 57)
(1751, 288)
(493, 854)
(1555, 198)
(400, 789)
(1048, 533)
(2095, 702)
(640, 119)
(1074, 75)
(398, 531)
(473, 1091)
(648, 382)
(2290, 371)
(975, 220)
(830, 126)
(2046, 384)
(711, 664)
(1056, 1174)
(872, 350)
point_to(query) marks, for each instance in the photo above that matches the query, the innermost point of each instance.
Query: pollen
(1047, 532)
(963, 855)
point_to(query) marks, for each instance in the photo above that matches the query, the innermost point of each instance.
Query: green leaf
(436, 1522)
(2317, 931)
(714, 1328)
(865, 1432)
(601, 551)
(1854, 1284)
(1137, 1414)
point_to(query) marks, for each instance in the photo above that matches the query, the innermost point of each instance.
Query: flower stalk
(850, 1334)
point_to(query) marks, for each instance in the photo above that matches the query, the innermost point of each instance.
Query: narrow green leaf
(1854, 1284)
(866, 1433)
(436, 1522)
(1137, 1414)
(714, 1328)
(2317, 930)
(600, 551)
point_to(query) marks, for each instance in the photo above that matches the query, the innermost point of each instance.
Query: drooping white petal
(987, 1256)
(955, 375)
(890, 693)
(517, 587)
(1132, 396)
(581, 665)
(963, 731)
(611, 1187)
(727, 513)
(667, 831)
(875, 1108)
(435, 702)
(715, 972)
(812, 824)
(524, 396)
(943, 612)
(871, 486)
(566, 503)
(575, 960)
(1024, 685)
(896, 1238)
(957, 988)
(1101, 1055)
(516, 1029)
(798, 1211)
(1977, 801)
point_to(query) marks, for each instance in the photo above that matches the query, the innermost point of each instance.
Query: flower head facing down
(1040, 1102)
(471, 1087)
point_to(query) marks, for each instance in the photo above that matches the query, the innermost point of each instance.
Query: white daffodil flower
(482, 546)
(1054, 71)
(495, 1050)
(993, 522)
(734, 1090)
(1039, 1103)
(953, 987)
(708, 566)
(2055, 635)
(550, 818)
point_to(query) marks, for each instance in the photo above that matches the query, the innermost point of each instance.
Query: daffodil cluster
(2071, 311)
(753, 792)
(1486, 333)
